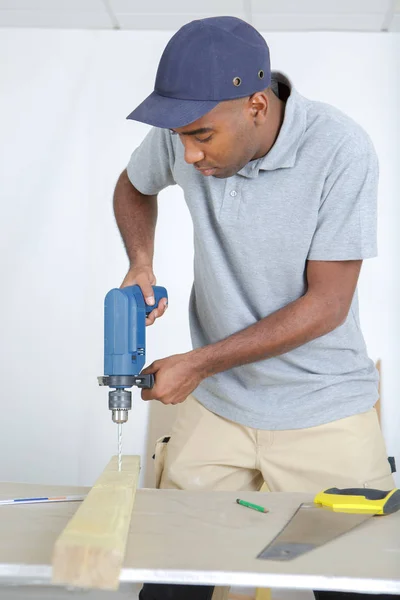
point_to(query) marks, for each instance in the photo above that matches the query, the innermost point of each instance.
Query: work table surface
(204, 537)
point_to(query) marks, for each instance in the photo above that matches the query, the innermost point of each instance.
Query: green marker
(253, 506)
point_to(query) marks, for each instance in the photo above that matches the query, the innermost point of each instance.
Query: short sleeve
(151, 164)
(347, 218)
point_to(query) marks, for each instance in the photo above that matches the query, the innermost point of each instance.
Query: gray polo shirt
(312, 197)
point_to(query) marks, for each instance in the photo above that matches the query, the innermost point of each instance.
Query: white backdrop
(64, 141)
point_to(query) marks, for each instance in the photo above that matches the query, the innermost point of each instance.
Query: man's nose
(193, 154)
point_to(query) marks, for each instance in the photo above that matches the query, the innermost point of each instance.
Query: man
(282, 192)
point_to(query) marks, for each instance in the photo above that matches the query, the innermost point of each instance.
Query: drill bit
(119, 446)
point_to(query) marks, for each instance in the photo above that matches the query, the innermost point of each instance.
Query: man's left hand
(175, 378)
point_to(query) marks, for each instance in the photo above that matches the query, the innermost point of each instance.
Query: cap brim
(169, 113)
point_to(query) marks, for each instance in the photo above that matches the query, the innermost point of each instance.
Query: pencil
(43, 499)
(253, 506)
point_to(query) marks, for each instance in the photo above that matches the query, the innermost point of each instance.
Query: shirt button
(233, 193)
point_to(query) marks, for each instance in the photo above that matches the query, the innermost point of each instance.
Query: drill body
(125, 312)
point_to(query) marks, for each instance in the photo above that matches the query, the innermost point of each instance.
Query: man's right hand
(145, 279)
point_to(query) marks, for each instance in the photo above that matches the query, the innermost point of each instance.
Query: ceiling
(266, 15)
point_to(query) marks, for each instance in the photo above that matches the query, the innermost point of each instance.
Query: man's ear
(259, 104)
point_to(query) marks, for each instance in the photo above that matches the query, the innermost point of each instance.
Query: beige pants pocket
(385, 483)
(159, 457)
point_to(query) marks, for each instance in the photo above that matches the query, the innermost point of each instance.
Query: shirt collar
(283, 153)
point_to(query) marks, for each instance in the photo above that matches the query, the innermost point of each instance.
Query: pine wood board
(90, 550)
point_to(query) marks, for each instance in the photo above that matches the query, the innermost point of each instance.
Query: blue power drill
(125, 312)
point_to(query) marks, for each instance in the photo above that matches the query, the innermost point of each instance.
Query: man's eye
(204, 140)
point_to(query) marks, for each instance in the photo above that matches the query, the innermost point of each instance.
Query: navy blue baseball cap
(205, 62)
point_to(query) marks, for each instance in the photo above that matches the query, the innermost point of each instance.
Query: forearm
(136, 216)
(296, 324)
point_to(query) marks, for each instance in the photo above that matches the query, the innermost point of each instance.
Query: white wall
(64, 140)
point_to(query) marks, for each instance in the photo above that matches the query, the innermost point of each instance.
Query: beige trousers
(208, 452)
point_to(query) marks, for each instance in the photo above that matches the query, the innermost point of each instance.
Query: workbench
(199, 538)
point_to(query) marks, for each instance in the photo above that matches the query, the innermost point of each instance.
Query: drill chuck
(119, 402)
(120, 399)
(119, 416)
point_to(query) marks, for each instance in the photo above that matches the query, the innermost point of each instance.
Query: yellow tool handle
(360, 500)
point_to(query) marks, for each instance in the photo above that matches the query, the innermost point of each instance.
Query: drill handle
(145, 381)
(159, 292)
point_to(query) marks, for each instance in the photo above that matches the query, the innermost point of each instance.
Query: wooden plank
(221, 593)
(263, 594)
(90, 551)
